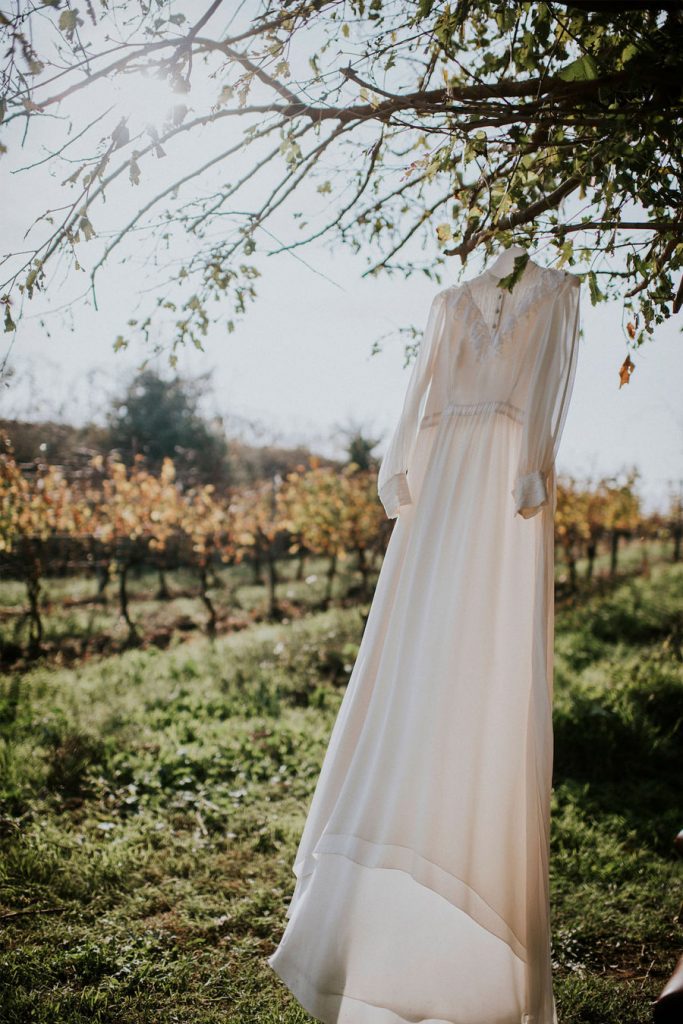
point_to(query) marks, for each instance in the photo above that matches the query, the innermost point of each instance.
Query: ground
(152, 802)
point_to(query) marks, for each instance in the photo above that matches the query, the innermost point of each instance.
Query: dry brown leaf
(625, 371)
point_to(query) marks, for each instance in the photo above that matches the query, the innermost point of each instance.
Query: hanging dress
(421, 888)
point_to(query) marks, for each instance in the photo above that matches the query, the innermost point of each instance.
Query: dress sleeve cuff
(530, 494)
(395, 493)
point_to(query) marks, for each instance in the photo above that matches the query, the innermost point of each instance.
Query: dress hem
(327, 1006)
(425, 872)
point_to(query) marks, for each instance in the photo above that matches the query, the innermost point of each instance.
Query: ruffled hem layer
(349, 956)
(402, 858)
(344, 1008)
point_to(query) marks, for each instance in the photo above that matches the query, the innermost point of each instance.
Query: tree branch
(524, 216)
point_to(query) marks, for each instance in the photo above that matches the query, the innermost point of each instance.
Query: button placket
(499, 308)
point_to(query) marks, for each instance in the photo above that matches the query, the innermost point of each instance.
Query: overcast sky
(300, 363)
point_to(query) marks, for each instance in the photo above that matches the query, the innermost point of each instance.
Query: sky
(299, 368)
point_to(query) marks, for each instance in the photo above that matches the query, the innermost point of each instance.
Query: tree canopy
(414, 132)
(159, 419)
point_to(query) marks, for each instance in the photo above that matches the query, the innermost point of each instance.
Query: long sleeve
(550, 389)
(392, 481)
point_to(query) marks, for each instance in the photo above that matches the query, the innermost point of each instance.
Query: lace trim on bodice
(487, 341)
(492, 407)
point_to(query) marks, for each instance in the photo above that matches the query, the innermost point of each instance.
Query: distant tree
(359, 447)
(52, 441)
(206, 526)
(134, 512)
(312, 502)
(361, 521)
(622, 510)
(254, 462)
(571, 523)
(159, 418)
(674, 519)
(596, 509)
(257, 520)
(33, 508)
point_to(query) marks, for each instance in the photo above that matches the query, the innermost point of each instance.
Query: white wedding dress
(422, 873)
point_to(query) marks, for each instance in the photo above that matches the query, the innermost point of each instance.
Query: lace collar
(538, 283)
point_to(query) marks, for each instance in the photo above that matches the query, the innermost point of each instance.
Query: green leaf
(582, 70)
(595, 293)
(134, 172)
(68, 20)
(87, 228)
(628, 53)
(509, 280)
(566, 252)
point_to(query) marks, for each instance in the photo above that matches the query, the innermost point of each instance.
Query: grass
(151, 805)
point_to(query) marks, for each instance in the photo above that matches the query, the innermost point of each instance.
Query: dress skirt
(422, 873)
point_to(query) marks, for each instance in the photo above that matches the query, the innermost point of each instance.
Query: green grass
(152, 802)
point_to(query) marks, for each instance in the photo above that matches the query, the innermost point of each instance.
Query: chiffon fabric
(421, 888)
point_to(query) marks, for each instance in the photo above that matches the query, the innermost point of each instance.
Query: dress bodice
(489, 349)
(491, 337)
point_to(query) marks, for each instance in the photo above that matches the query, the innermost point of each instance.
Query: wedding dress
(422, 872)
